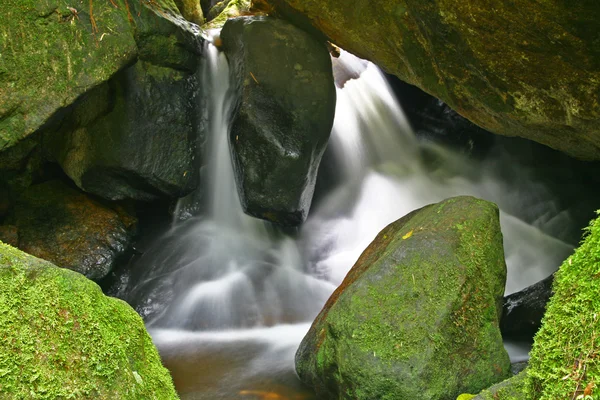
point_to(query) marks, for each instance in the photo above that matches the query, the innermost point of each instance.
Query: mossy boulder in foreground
(565, 356)
(60, 337)
(417, 315)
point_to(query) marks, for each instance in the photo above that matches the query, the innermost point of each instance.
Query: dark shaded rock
(9, 234)
(435, 121)
(62, 338)
(70, 229)
(517, 367)
(529, 69)
(285, 115)
(19, 167)
(144, 146)
(417, 315)
(523, 311)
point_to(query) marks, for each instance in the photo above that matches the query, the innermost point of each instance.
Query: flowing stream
(227, 298)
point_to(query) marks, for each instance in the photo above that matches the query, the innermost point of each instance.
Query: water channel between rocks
(227, 298)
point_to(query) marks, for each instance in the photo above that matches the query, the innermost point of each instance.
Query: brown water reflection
(249, 366)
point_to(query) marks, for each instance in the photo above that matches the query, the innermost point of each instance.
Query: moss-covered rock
(511, 389)
(284, 117)
(191, 10)
(224, 10)
(52, 51)
(564, 359)
(523, 68)
(68, 228)
(417, 315)
(60, 337)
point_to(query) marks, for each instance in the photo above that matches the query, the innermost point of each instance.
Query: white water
(232, 290)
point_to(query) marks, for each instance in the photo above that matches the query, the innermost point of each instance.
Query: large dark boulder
(144, 146)
(280, 129)
(68, 228)
(524, 68)
(417, 315)
(62, 338)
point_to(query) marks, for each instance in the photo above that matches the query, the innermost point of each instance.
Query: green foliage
(565, 357)
(60, 337)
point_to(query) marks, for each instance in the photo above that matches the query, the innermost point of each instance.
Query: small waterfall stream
(227, 298)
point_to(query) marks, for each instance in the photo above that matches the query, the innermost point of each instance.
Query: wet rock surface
(523, 311)
(144, 147)
(286, 108)
(70, 229)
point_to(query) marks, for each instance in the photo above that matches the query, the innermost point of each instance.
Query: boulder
(136, 135)
(523, 311)
(224, 10)
(513, 388)
(529, 69)
(70, 229)
(563, 362)
(62, 338)
(144, 147)
(81, 83)
(191, 10)
(52, 51)
(417, 316)
(280, 128)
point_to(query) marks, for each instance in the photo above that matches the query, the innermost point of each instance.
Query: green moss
(52, 51)
(417, 316)
(511, 389)
(234, 8)
(565, 357)
(60, 337)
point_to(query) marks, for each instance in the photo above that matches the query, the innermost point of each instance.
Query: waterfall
(230, 296)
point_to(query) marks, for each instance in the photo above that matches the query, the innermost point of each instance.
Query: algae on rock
(417, 315)
(60, 337)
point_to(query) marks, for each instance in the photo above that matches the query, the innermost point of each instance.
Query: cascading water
(227, 298)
